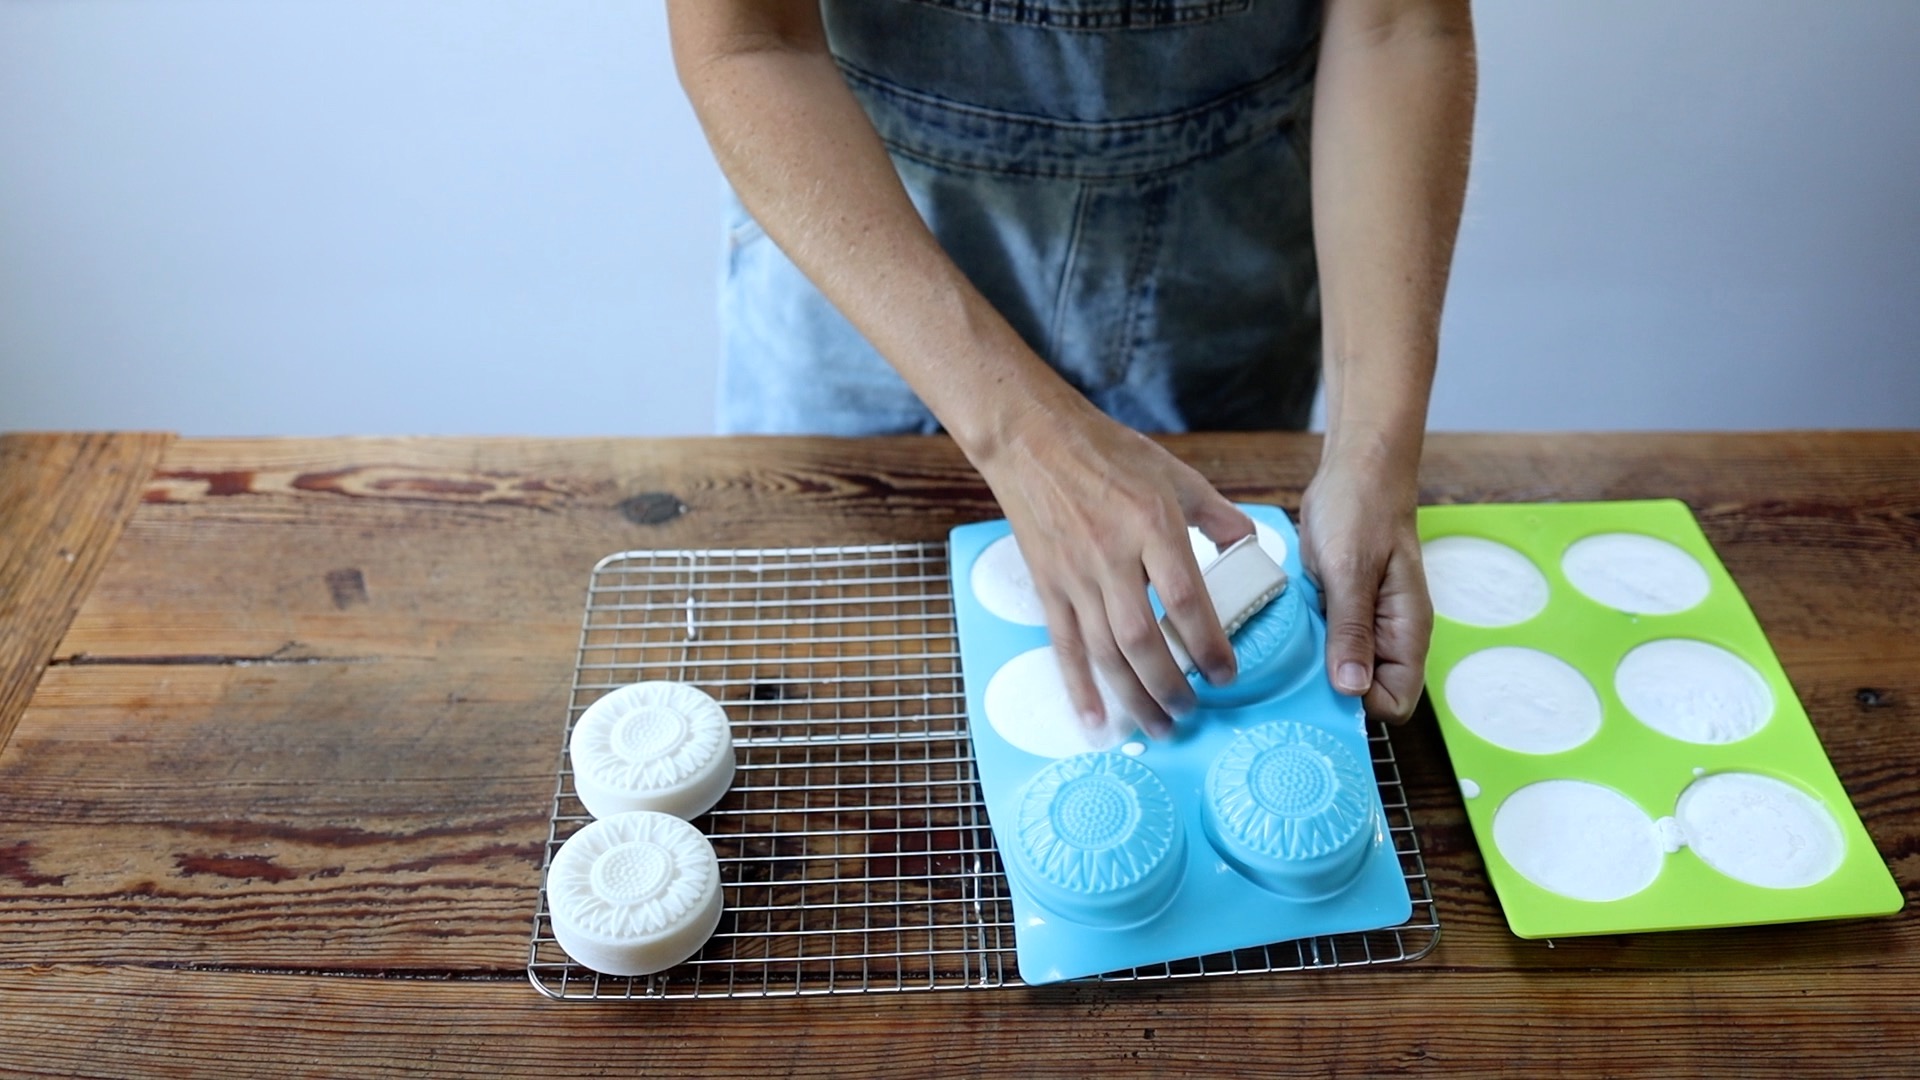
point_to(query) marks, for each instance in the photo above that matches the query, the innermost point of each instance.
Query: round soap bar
(1004, 586)
(652, 746)
(1641, 575)
(1693, 691)
(634, 893)
(1760, 830)
(1481, 582)
(1027, 705)
(1097, 840)
(1292, 808)
(1579, 840)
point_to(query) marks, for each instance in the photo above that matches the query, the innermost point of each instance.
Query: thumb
(1350, 596)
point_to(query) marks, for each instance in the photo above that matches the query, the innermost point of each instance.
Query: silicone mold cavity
(1662, 694)
(1099, 841)
(1107, 857)
(1291, 808)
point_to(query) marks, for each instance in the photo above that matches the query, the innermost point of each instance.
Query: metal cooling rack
(854, 850)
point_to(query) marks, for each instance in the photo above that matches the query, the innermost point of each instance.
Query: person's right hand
(1101, 511)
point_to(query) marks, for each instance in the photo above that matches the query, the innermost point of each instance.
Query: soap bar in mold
(1638, 757)
(1257, 820)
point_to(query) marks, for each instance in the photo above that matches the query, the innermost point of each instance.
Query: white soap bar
(1240, 582)
(634, 893)
(659, 746)
(1027, 704)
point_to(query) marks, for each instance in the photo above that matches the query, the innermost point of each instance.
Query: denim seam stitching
(1127, 338)
(1055, 332)
(1183, 16)
(1058, 172)
(1252, 132)
(1095, 127)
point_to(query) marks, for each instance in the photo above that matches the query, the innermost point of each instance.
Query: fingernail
(1092, 721)
(1220, 674)
(1353, 678)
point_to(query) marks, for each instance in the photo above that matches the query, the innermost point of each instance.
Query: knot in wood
(652, 508)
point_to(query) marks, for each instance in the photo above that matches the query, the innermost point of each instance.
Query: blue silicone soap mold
(1258, 820)
(1099, 840)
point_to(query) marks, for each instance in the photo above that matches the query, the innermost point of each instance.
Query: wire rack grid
(854, 849)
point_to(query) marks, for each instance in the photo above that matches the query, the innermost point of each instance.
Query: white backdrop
(497, 216)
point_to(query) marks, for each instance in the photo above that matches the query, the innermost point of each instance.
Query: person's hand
(1101, 511)
(1359, 540)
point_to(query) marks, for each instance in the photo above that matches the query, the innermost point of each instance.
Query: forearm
(806, 161)
(1392, 126)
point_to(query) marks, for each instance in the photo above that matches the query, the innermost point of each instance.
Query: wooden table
(279, 721)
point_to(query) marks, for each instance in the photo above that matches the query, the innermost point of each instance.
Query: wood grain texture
(63, 501)
(78, 1022)
(307, 721)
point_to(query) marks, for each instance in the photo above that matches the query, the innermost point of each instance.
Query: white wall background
(497, 216)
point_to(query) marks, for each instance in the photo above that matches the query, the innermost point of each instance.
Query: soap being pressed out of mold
(660, 746)
(1268, 537)
(634, 893)
(1097, 883)
(1003, 582)
(1027, 702)
(1239, 583)
(1291, 808)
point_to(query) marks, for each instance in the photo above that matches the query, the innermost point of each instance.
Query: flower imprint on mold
(1097, 823)
(1287, 790)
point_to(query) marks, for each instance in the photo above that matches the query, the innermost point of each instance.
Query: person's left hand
(1359, 539)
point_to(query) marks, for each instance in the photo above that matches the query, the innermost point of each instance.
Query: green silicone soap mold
(1602, 812)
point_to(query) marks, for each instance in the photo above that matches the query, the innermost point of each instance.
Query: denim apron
(1124, 180)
